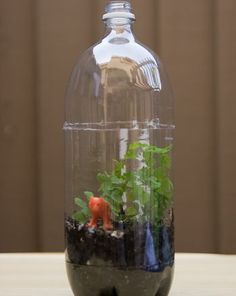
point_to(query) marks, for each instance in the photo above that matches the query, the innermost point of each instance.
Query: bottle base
(114, 281)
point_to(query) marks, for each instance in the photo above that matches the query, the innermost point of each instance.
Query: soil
(132, 259)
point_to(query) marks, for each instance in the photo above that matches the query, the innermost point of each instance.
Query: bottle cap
(118, 9)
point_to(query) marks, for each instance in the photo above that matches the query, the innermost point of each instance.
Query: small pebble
(118, 234)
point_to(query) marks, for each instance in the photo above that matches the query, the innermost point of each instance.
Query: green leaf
(80, 203)
(116, 181)
(80, 217)
(148, 158)
(115, 208)
(86, 212)
(165, 161)
(154, 183)
(136, 145)
(131, 211)
(119, 166)
(88, 194)
(130, 155)
(154, 149)
(133, 150)
(130, 196)
(102, 177)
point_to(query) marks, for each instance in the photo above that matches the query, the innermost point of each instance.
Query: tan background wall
(39, 42)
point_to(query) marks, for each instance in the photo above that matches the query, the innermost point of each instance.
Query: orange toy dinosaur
(100, 209)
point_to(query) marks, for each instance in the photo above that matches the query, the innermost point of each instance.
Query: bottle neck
(119, 25)
(119, 33)
(119, 18)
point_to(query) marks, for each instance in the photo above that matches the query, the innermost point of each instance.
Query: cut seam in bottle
(131, 125)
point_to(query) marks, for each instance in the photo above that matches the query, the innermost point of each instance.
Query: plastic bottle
(119, 190)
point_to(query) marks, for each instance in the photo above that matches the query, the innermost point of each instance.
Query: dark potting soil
(113, 281)
(133, 258)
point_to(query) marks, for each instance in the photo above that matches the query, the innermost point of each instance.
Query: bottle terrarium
(119, 144)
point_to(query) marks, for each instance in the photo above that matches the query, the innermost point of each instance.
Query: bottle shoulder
(105, 53)
(133, 51)
(113, 78)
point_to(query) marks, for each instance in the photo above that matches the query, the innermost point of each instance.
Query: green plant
(138, 181)
(83, 214)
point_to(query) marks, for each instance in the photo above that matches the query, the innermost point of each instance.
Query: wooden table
(44, 275)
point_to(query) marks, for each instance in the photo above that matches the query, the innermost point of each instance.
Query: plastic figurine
(150, 260)
(100, 209)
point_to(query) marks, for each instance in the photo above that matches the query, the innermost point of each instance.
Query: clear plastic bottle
(119, 191)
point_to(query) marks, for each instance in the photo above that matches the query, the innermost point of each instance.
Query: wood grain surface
(44, 274)
(40, 41)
